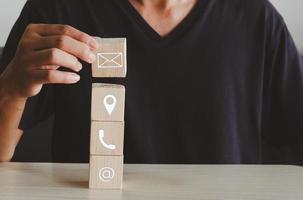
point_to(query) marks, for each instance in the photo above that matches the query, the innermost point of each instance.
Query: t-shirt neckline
(175, 33)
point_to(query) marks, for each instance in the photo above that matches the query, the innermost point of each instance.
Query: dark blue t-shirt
(227, 79)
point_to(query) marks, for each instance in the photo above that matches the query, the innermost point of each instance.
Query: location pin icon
(110, 102)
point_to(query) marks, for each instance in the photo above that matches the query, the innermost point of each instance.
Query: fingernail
(79, 66)
(92, 58)
(74, 78)
(94, 44)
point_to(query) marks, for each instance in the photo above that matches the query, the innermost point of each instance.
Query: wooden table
(143, 182)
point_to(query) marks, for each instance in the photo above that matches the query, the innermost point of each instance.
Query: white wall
(292, 11)
(9, 12)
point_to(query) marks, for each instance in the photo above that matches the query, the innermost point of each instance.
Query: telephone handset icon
(101, 139)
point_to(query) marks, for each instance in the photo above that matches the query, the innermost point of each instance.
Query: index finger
(59, 29)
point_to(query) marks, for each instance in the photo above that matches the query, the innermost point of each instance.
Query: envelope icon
(109, 60)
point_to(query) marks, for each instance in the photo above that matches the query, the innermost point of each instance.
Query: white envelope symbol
(109, 60)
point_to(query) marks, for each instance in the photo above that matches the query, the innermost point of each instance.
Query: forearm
(11, 109)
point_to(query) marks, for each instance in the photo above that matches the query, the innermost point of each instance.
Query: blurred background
(35, 145)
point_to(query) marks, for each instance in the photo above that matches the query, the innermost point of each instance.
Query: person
(208, 80)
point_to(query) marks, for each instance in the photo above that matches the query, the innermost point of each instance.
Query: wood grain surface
(209, 182)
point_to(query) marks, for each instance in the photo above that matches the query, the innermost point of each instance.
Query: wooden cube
(107, 102)
(106, 172)
(106, 138)
(110, 58)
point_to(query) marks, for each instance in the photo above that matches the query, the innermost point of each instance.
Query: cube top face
(106, 172)
(110, 58)
(107, 102)
(107, 138)
(106, 85)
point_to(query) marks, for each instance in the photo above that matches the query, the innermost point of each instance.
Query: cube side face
(110, 58)
(108, 102)
(106, 172)
(107, 138)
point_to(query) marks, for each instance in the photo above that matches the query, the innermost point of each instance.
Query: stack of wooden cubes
(107, 116)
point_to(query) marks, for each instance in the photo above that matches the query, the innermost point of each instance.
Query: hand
(41, 51)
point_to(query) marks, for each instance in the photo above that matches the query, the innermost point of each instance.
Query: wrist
(7, 90)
